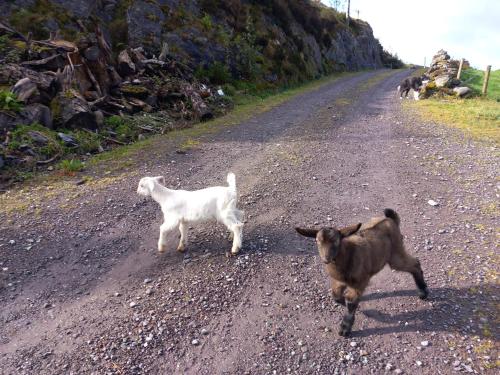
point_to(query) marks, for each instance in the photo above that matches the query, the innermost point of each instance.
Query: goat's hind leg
(230, 220)
(183, 240)
(407, 263)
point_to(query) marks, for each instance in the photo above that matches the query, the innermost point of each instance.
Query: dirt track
(337, 155)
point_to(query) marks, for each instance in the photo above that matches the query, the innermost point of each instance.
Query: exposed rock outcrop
(73, 64)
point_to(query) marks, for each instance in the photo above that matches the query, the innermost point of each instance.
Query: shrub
(206, 22)
(71, 166)
(87, 142)
(113, 121)
(9, 102)
(124, 128)
(217, 73)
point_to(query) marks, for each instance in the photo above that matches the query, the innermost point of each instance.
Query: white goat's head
(147, 184)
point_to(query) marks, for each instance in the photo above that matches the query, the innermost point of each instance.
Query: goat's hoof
(235, 251)
(340, 301)
(344, 331)
(181, 249)
(423, 293)
(162, 248)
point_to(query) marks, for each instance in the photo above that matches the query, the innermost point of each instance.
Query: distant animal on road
(352, 255)
(408, 84)
(181, 207)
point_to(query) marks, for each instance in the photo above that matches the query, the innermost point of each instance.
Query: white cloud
(417, 29)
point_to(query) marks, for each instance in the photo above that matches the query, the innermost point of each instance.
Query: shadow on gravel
(468, 310)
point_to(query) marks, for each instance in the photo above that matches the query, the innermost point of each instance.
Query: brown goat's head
(328, 239)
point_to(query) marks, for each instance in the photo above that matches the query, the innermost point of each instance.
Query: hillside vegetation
(83, 77)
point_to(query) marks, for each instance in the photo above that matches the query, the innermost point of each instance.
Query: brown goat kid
(352, 255)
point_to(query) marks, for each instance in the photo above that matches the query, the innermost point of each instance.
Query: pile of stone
(63, 84)
(442, 75)
(74, 84)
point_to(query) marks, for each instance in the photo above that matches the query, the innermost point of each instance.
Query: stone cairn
(443, 77)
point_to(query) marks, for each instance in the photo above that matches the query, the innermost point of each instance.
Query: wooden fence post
(460, 68)
(486, 79)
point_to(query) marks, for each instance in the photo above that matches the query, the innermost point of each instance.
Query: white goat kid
(180, 207)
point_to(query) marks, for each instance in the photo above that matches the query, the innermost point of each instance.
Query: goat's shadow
(452, 309)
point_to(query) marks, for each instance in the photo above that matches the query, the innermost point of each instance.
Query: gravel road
(83, 289)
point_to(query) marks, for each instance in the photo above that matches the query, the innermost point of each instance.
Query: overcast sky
(419, 28)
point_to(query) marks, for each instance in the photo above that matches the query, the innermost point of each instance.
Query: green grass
(473, 78)
(71, 166)
(9, 102)
(477, 117)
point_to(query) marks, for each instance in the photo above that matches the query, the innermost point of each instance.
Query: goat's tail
(231, 181)
(391, 214)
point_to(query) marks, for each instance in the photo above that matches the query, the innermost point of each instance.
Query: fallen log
(42, 162)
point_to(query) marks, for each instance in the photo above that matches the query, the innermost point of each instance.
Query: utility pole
(348, 11)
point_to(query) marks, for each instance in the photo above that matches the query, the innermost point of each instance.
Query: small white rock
(133, 304)
(195, 342)
(419, 363)
(433, 203)
(424, 343)
(353, 344)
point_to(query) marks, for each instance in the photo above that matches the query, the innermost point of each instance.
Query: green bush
(9, 102)
(71, 166)
(123, 127)
(206, 22)
(217, 74)
(113, 121)
(87, 142)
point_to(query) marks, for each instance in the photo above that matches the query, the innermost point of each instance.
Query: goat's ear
(307, 232)
(160, 180)
(351, 229)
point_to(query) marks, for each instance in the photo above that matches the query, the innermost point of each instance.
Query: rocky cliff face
(285, 40)
(73, 73)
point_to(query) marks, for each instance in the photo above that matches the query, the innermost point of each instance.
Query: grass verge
(473, 78)
(478, 117)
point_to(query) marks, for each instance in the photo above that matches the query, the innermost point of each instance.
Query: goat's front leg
(166, 227)
(352, 297)
(183, 240)
(338, 289)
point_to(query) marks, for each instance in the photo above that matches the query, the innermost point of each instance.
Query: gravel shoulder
(83, 289)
